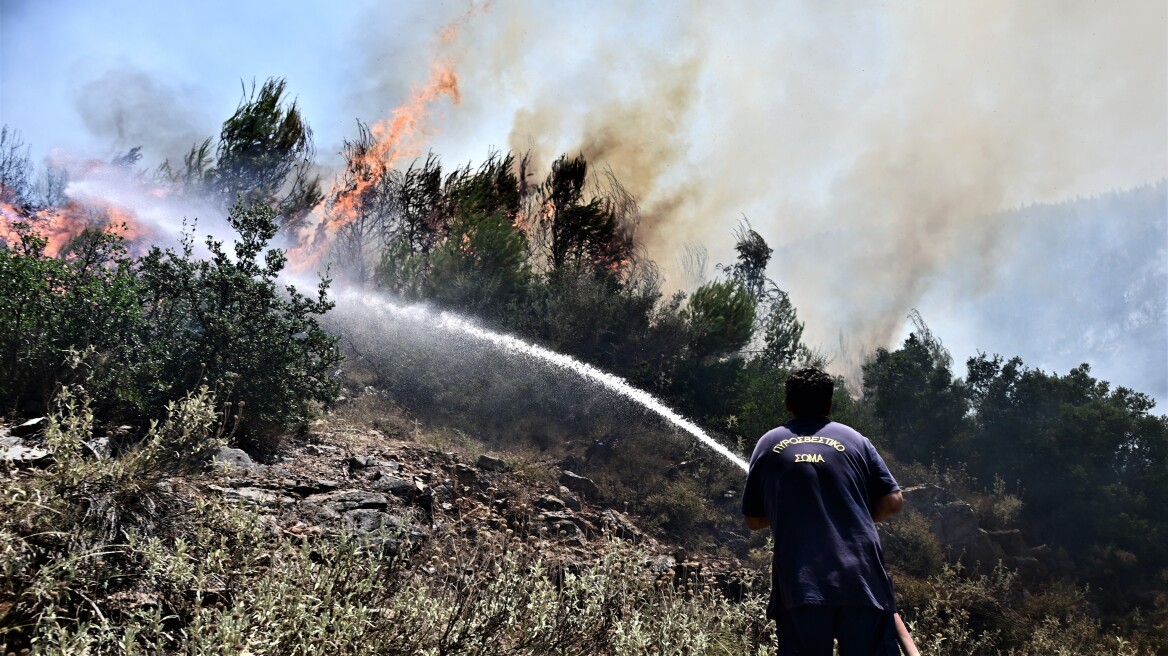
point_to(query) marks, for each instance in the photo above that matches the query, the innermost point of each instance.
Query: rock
(366, 520)
(548, 502)
(254, 496)
(956, 524)
(1027, 566)
(466, 476)
(305, 488)
(398, 487)
(927, 499)
(30, 427)
(233, 459)
(567, 523)
(345, 500)
(579, 484)
(362, 462)
(661, 566)
(24, 456)
(100, 447)
(490, 463)
(570, 499)
(1010, 541)
(615, 523)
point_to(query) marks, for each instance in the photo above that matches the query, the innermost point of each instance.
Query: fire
(395, 138)
(59, 226)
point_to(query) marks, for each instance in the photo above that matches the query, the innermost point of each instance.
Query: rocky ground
(351, 473)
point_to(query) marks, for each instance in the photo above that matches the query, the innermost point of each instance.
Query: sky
(968, 159)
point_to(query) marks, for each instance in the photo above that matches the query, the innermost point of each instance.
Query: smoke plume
(877, 150)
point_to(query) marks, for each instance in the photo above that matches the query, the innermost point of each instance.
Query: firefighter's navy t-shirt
(816, 481)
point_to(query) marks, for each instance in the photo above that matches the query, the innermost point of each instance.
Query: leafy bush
(910, 546)
(224, 321)
(73, 533)
(87, 300)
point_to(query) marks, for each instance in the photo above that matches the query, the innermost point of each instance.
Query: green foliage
(951, 613)
(910, 546)
(263, 155)
(482, 264)
(155, 329)
(921, 410)
(85, 300)
(224, 321)
(69, 535)
(679, 507)
(721, 316)
(1092, 461)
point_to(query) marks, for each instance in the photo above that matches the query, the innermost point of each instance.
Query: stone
(367, 520)
(570, 500)
(306, 488)
(254, 496)
(30, 427)
(927, 499)
(345, 500)
(548, 502)
(1010, 541)
(466, 476)
(230, 458)
(399, 487)
(579, 484)
(25, 456)
(566, 523)
(491, 463)
(956, 524)
(362, 462)
(615, 523)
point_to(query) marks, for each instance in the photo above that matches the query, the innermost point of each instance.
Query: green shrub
(155, 329)
(910, 546)
(224, 321)
(85, 300)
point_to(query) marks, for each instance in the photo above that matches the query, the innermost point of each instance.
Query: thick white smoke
(876, 148)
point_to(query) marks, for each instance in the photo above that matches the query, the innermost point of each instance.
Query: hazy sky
(883, 149)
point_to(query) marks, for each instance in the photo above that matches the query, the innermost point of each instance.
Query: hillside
(372, 532)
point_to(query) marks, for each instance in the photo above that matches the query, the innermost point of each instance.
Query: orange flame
(59, 226)
(395, 138)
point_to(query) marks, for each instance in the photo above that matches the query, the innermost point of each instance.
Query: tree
(776, 320)
(721, 317)
(15, 168)
(1092, 461)
(264, 155)
(918, 405)
(578, 231)
(225, 322)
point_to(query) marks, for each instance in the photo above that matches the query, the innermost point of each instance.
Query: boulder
(579, 484)
(570, 500)
(253, 496)
(1011, 542)
(345, 500)
(955, 524)
(618, 524)
(230, 458)
(30, 427)
(25, 456)
(399, 487)
(491, 463)
(367, 520)
(548, 502)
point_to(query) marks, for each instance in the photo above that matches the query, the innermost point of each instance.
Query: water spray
(453, 323)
